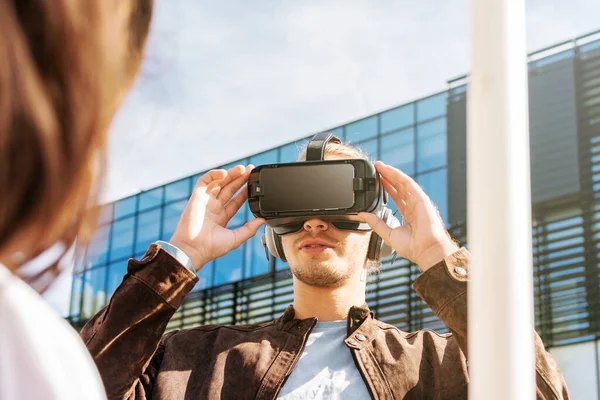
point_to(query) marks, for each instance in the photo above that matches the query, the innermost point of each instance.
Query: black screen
(307, 187)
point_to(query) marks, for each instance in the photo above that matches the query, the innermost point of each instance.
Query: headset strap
(315, 151)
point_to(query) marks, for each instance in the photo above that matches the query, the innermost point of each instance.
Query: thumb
(247, 231)
(378, 226)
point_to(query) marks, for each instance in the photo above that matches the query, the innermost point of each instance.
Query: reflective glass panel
(171, 215)
(122, 239)
(148, 229)
(339, 132)
(268, 157)
(76, 291)
(361, 130)
(398, 118)
(398, 150)
(432, 107)
(106, 214)
(94, 291)
(279, 265)
(116, 273)
(240, 217)
(256, 261)
(125, 207)
(229, 267)
(150, 199)
(178, 190)
(289, 152)
(431, 145)
(371, 148)
(436, 186)
(205, 277)
(97, 251)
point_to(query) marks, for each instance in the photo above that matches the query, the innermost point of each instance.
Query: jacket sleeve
(124, 338)
(444, 288)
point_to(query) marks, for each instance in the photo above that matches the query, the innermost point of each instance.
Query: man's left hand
(423, 239)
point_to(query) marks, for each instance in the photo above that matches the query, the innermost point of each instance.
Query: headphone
(377, 247)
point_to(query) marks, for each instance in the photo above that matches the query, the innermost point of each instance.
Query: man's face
(324, 256)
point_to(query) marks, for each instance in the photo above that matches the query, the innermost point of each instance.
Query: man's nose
(315, 225)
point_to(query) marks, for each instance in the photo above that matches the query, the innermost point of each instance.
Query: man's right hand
(201, 231)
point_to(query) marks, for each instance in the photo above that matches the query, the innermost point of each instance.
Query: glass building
(425, 138)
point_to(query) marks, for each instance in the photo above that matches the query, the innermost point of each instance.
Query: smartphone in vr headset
(281, 192)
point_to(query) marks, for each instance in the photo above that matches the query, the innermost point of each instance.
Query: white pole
(501, 363)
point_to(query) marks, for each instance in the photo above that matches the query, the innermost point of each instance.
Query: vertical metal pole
(501, 362)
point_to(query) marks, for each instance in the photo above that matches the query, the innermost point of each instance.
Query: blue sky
(222, 80)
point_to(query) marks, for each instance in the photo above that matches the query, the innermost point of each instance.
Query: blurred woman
(65, 65)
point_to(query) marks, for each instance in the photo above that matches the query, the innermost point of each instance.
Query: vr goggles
(288, 194)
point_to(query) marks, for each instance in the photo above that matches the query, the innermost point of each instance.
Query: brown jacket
(253, 361)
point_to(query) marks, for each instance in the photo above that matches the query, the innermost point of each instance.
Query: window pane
(151, 199)
(269, 157)
(431, 145)
(290, 152)
(436, 186)
(256, 261)
(106, 214)
(171, 216)
(370, 147)
(339, 132)
(196, 177)
(116, 273)
(205, 277)
(229, 267)
(76, 289)
(398, 150)
(432, 107)
(240, 217)
(122, 239)
(94, 292)
(97, 251)
(397, 118)
(279, 265)
(125, 207)
(361, 130)
(243, 161)
(177, 190)
(148, 229)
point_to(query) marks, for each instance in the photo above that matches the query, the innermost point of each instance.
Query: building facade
(426, 139)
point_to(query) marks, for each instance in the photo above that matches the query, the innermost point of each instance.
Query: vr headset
(288, 194)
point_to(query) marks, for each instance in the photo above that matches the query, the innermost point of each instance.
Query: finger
(249, 229)
(408, 190)
(378, 226)
(236, 203)
(397, 178)
(230, 189)
(220, 175)
(210, 176)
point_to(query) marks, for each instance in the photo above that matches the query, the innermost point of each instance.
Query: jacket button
(353, 342)
(460, 271)
(360, 337)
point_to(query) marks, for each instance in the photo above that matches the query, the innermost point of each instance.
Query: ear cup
(377, 247)
(272, 242)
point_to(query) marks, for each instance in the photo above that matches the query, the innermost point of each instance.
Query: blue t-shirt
(326, 369)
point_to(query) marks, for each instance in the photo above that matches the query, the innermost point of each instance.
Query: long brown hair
(65, 66)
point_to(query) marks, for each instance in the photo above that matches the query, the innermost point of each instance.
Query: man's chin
(320, 274)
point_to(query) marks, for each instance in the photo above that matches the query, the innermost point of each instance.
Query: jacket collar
(359, 318)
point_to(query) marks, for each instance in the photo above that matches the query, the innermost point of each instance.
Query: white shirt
(41, 355)
(326, 369)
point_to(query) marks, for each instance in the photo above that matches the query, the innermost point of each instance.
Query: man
(327, 345)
